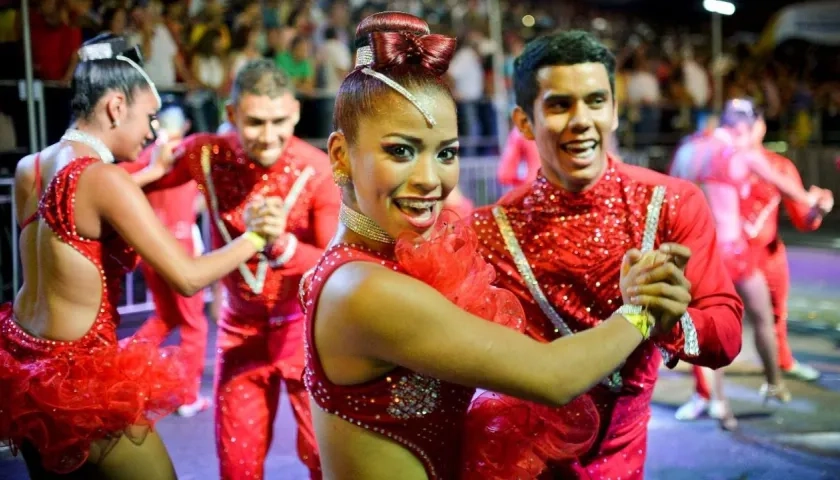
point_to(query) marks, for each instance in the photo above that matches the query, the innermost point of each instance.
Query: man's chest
(229, 188)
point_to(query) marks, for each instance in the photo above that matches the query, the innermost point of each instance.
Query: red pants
(250, 368)
(773, 264)
(174, 310)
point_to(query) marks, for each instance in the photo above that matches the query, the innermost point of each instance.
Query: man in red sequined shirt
(761, 222)
(558, 243)
(260, 334)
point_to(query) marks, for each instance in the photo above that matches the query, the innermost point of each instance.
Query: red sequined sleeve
(324, 212)
(709, 334)
(801, 215)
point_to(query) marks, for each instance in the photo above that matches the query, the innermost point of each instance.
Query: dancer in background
(75, 401)
(760, 221)
(175, 208)
(519, 152)
(400, 332)
(260, 328)
(558, 244)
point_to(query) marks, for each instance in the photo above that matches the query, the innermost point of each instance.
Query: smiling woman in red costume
(401, 332)
(75, 401)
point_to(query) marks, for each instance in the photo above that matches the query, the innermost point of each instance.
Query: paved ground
(799, 441)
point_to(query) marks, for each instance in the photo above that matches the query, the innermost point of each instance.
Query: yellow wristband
(256, 240)
(639, 318)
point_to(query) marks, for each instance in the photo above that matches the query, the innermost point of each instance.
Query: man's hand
(664, 289)
(825, 199)
(267, 216)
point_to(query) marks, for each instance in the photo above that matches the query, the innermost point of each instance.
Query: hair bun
(432, 52)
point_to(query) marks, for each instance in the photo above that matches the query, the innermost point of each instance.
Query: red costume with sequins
(60, 396)
(260, 335)
(428, 416)
(560, 253)
(175, 207)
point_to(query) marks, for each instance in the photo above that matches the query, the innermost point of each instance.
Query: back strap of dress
(35, 215)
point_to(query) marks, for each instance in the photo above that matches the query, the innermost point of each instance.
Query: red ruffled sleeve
(504, 437)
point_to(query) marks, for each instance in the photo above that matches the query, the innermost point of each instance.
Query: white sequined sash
(255, 281)
(613, 381)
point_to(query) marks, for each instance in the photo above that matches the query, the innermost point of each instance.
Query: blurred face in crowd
(574, 116)
(301, 50)
(119, 22)
(265, 124)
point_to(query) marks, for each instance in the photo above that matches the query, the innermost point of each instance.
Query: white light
(599, 23)
(719, 6)
(528, 21)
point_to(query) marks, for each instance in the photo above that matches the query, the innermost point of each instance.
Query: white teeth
(418, 204)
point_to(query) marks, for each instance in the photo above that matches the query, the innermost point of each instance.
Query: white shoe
(717, 409)
(693, 409)
(192, 409)
(803, 371)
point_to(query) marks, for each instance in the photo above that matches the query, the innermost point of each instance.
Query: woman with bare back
(403, 322)
(76, 402)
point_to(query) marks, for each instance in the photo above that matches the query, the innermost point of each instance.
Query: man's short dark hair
(260, 77)
(558, 49)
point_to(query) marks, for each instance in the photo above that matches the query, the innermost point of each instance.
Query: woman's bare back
(62, 289)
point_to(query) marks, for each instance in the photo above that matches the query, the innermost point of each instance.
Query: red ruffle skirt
(62, 396)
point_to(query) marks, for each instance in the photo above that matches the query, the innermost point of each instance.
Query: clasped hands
(656, 280)
(266, 216)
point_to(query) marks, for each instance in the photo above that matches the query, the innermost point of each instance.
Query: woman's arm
(121, 203)
(395, 318)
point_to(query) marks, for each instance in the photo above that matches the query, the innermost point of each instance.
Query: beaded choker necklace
(94, 143)
(363, 225)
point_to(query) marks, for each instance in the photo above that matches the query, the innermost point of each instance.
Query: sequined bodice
(424, 414)
(110, 254)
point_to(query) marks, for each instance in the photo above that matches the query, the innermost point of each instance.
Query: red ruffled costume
(497, 436)
(60, 396)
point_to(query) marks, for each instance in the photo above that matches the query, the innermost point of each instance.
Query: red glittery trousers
(774, 265)
(173, 310)
(621, 448)
(250, 368)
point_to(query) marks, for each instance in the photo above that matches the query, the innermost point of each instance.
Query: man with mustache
(558, 243)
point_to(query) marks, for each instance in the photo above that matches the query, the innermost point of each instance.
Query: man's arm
(759, 165)
(289, 255)
(709, 334)
(804, 217)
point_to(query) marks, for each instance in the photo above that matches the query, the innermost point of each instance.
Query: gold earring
(340, 177)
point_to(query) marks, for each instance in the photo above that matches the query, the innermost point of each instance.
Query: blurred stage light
(528, 21)
(719, 6)
(599, 23)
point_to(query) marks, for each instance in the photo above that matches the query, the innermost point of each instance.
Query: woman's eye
(448, 154)
(400, 151)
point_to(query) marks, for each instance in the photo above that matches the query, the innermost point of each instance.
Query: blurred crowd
(664, 80)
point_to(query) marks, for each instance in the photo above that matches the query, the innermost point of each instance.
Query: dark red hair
(404, 50)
